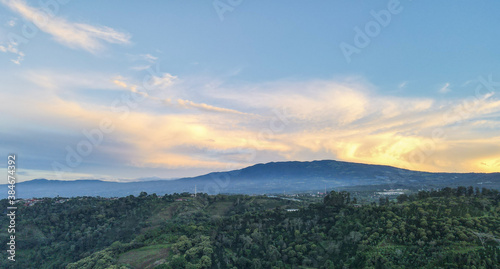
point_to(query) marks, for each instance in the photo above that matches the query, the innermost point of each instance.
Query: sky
(131, 90)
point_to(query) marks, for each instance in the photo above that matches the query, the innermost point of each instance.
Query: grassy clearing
(144, 257)
(219, 208)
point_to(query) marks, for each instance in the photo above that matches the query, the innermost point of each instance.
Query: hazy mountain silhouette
(274, 177)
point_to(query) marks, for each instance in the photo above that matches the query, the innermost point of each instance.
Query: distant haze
(270, 178)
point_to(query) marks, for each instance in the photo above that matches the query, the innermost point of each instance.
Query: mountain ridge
(273, 177)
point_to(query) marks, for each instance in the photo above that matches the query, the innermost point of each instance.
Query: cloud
(209, 108)
(12, 22)
(140, 67)
(290, 120)
(163, 81)
(14, 50)
(354, 123)
(75, 35)
(403, 84)
(142, 57)
(63, 81)
(445, 88)
(148, 58)
(120, 83)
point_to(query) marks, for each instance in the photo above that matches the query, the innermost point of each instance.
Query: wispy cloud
(402, 85)
(75, 35)
(142, 57)
(12, 22)
(145, 61)
(208, 108)
(163, 81)
(343, 120)
(148, 57)
(13, 49)
(120, 83)
(67, 81)
(140, 67)
(445, 88)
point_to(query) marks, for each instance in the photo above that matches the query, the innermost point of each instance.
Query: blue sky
(196, 86)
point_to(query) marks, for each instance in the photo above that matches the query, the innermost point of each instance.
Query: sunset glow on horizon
(94, 95)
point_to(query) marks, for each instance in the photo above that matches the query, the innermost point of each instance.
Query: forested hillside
(448, 228)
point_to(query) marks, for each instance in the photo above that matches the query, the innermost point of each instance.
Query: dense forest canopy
(447, 228)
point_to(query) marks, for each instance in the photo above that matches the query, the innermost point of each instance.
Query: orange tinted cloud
(324, 119)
